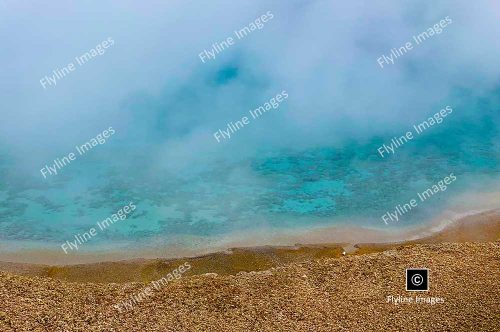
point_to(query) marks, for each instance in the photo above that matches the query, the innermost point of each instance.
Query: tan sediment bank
(352, 293)
(482, 227)
(300, 288)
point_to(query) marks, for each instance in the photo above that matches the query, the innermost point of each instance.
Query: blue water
(277, 188)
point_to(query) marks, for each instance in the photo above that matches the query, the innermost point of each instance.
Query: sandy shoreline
(482, 227)
(464, 207)
(343, 234)
(329, 294)
(309, 287)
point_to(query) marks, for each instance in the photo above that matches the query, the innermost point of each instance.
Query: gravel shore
(331, 294)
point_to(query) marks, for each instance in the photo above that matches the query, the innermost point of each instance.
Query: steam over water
(314, 161)
(274, 188)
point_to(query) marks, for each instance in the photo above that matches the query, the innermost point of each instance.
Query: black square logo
(417, 279)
